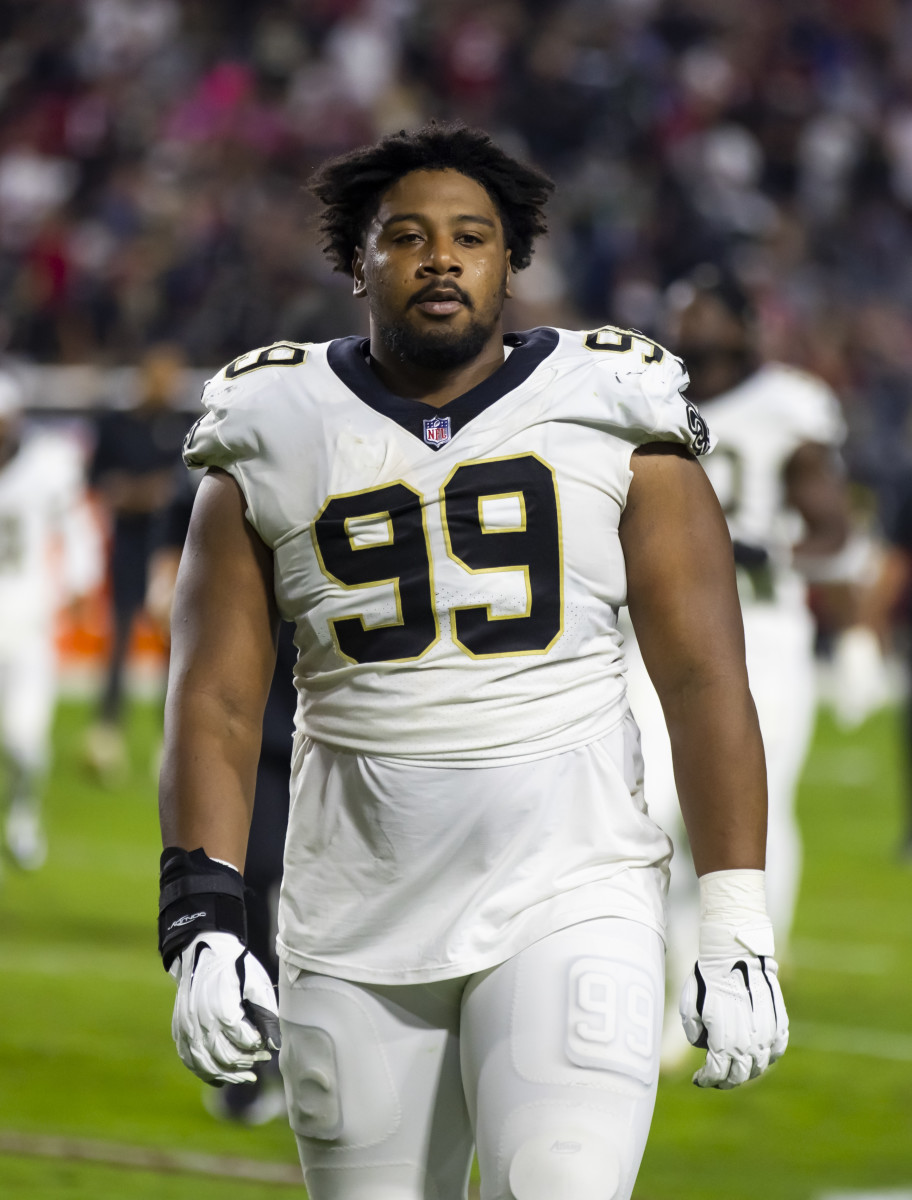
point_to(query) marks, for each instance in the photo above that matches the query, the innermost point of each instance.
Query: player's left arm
(815, 486)
(684, 606)
(837, 560)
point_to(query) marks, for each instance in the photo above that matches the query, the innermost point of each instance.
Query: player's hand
(225, 1015)
(861, 683)
(732, 1005)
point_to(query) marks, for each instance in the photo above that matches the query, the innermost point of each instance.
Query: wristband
(733, 913)
(197, 894)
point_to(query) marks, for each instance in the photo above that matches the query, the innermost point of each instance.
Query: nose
(440, 258)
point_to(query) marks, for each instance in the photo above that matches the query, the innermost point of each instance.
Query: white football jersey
(49, 548)
(454, 574)
(757, 427)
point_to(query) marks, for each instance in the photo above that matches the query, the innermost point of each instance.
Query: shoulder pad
(643, 385)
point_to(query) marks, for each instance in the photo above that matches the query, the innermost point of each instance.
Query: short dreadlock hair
(350, 187)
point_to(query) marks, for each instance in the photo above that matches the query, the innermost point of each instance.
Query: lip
(439, 301)
(440, 306)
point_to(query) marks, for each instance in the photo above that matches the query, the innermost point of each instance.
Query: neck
(434, 387)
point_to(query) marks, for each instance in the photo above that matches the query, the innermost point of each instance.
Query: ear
(508, 294)
(360, 287)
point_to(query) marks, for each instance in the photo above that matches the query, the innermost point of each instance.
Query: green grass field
(95, 1105)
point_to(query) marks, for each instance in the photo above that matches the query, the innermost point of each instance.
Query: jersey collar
(348, 359)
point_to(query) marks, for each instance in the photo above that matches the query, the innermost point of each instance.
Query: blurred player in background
(471, 915)
(886, 610)
(50, 552)
(133, 471)
(264, 1100)
(777, 472)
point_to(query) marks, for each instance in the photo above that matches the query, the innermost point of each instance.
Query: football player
(50, 552)
(777, 472)
(471, 915)
(133, 473)
(885, 604)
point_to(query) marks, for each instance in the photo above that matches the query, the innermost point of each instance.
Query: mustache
(450, 290)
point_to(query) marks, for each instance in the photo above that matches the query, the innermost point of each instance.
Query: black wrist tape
(197, 894)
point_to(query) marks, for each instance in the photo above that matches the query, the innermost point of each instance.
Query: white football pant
(28, 689)
(547, 1064)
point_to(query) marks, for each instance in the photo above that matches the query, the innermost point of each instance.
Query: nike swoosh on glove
(225, 1016)
(732, 1005)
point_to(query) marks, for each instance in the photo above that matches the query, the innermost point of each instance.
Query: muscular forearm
(826, 534)
(815, 487)
(208, 774)
(878, 600)
(222, 660)
(719, 771)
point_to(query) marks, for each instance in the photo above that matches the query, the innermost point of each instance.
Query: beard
(439, 349)
(436, 349)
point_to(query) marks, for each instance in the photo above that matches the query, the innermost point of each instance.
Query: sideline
(175, 1162)
(902, 1194)
(32, 1145)
(841, 958)
(843, 1039)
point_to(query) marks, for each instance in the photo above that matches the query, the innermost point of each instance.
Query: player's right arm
(223, 631)
(222, 658)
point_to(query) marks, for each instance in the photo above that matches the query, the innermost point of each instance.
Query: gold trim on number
(520, 496)
(500, 570)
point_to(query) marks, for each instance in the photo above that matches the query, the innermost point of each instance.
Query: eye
(470, 239)
(407, 238)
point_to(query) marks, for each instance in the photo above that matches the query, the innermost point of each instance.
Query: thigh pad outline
(308, 1062)
(358, 1104)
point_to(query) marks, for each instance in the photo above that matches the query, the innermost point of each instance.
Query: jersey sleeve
(815, 411)
(672, 416)
(227, 434)
(645, 386)
(224, 435)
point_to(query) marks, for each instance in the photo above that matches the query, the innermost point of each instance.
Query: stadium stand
(152, 154)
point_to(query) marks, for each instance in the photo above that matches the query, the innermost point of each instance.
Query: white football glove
(731, 1004)
(861, 683)
(225, 1017)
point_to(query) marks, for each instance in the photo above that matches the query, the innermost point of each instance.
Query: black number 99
(398, 553)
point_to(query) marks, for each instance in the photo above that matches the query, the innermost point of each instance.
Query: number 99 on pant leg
(560, 1053)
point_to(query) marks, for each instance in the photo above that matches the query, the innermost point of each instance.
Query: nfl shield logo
(437, 431)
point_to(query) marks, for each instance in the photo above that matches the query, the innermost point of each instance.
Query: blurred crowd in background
(153, 155)
(155, 224)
